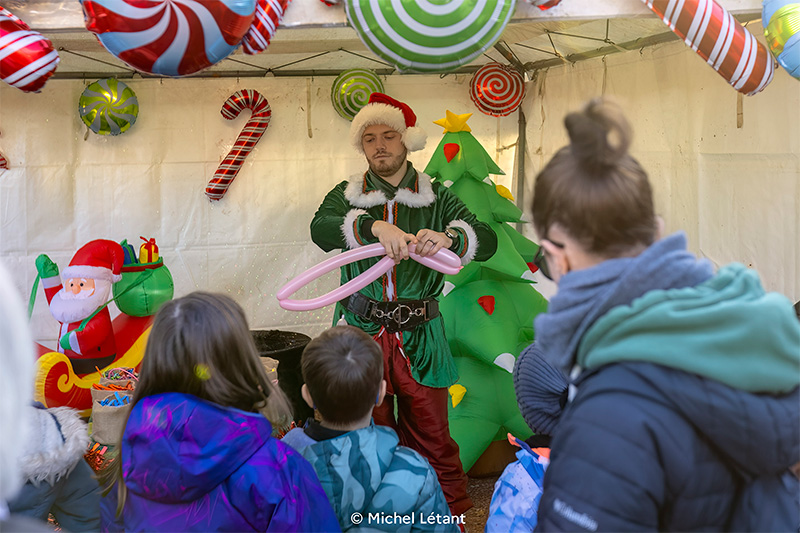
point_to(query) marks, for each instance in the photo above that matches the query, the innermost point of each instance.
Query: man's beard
(68, 310)
(387, 167)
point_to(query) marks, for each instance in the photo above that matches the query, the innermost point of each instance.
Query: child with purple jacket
(197, 452)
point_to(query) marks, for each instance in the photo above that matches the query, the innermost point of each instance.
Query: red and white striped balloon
(718, 38)
(497, 90)
(169, 37)
(268, 15)
(248, 138)
(27, 58)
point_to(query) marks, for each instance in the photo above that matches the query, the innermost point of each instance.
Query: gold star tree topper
(453, 123)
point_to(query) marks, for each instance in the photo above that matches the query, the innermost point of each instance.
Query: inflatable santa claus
(89, 344)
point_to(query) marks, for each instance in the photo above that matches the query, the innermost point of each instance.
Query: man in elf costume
(86, 288)
(396, 205)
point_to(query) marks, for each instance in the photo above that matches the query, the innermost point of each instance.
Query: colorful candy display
(248, 138)
(351, 89)
(170, 37)
(781, 19)
(497, 90)
(718, 38)
(268, 15)
(108, 107)
(27, 58)
(426, 36)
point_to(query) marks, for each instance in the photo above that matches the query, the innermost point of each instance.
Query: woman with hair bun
(671, 390)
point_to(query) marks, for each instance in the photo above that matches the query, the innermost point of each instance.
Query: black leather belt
(402, 315)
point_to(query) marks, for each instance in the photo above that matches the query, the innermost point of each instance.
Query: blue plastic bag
(515, 502)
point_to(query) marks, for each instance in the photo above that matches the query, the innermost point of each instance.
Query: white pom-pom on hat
(383, 109)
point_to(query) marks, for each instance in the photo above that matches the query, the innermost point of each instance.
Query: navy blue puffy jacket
(672, 451)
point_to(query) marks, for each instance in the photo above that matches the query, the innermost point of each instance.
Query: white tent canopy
(724, 168)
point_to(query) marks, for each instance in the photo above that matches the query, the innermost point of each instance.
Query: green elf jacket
(344, 221)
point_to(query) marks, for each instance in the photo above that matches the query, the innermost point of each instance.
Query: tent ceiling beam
(613, 48)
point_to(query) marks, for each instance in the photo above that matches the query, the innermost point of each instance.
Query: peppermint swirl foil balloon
(108, 107)
(169, 37)
(781, 19)
(351, 89)
(429, 36)
(27, 58)
(497, 90)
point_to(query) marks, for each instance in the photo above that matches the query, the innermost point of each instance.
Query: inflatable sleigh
(144, 287)
(56, 383)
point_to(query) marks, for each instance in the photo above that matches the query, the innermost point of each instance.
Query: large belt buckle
(398, 317)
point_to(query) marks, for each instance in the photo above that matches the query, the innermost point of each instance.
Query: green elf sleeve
(339, 225)
(477, 240)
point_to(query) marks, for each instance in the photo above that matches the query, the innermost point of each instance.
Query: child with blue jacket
(371, 481)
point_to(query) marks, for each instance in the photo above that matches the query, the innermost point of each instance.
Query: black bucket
(286, 347)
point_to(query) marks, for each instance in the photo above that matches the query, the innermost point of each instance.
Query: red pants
(421, 421)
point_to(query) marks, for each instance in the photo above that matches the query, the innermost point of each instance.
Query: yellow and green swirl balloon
(351, 90)
(108, 107)
(429, 35)
(781, 19)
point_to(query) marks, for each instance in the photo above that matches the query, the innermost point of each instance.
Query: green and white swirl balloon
(429, 35)
(108, 107)
(351, 90)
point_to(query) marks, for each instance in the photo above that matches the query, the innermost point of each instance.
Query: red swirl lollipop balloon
(497, 90)
(268, 15)
(169, 37)
(27, 58)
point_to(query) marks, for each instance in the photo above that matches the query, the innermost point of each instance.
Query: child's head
(343, 372)
(201, 345)
(593, 190)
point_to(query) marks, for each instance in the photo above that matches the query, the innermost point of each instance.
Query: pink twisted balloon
(443, 261)
(248, 138)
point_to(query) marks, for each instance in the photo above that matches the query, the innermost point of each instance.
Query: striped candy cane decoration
(268, 15)
(3, 163)
(718, 38)
(248, 138)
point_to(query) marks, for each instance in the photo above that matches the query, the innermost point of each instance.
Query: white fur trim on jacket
(472, 240)
(423, 198)
(90, 272)
(347, 227)
(355, 195)
(377, 113)
(50, 453)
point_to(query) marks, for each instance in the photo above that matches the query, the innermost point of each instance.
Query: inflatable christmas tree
(489, 307)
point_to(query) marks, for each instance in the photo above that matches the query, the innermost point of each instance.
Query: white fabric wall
(63, 191)
(735, 191)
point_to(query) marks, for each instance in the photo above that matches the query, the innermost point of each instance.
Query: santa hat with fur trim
(100, 259)
(383, 109)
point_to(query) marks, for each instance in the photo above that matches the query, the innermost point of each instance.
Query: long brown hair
(593, 188)
(201, 345)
